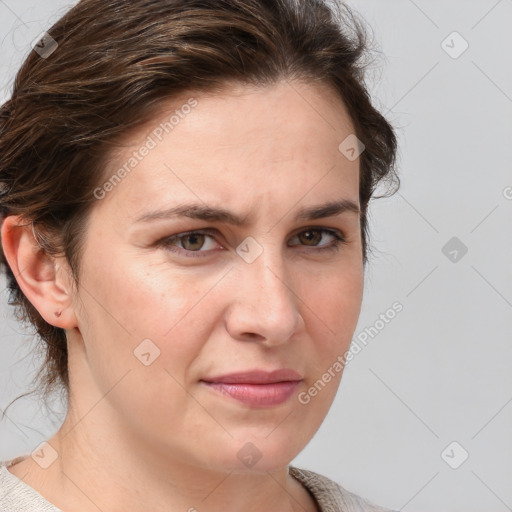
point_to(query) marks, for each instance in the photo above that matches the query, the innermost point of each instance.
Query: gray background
(440, 370)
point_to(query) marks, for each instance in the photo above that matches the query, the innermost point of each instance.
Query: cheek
(333, 302)
(172, 309)
(126, 304)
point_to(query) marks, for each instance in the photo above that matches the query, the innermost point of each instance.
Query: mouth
(256, 388)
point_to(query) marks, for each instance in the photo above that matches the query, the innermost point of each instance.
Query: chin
(262, 452)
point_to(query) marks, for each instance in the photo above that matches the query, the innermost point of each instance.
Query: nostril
(252, 335)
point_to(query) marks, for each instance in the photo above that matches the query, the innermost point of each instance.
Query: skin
(154, 437)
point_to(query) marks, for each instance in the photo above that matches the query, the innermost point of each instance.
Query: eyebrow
(202, 211)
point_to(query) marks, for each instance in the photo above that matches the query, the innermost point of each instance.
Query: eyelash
(167, 243)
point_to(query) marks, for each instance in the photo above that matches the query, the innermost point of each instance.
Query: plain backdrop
(423, 417)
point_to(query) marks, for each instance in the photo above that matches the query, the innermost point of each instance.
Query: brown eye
(192, 242)
(311, 237)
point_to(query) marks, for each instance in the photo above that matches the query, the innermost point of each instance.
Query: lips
(257, 377)
(257, 388)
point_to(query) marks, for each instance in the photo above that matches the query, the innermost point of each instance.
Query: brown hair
(116, 63)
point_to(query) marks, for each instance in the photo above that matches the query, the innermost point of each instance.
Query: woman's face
(163, 323)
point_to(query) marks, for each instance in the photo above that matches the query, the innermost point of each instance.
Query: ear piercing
(58, 313)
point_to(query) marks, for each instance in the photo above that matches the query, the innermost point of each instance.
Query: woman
(185, 189)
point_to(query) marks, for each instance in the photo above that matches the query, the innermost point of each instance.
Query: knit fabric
(17, 496)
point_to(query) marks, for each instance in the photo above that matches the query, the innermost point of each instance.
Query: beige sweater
(17, 496)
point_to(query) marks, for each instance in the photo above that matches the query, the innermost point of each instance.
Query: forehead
(244, 140)
(278, 111)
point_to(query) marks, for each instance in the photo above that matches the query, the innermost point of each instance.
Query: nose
(264, 307)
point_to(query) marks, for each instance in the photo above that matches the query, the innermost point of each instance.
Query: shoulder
(331, 496)
(16, 495)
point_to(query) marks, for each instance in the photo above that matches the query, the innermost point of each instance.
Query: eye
(312, 236)
(190, 244)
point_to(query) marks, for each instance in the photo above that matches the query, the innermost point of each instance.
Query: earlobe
(36, 273)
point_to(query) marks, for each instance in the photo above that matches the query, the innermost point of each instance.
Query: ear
(45, 281)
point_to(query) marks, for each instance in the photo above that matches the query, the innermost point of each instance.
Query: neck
(115, 472)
